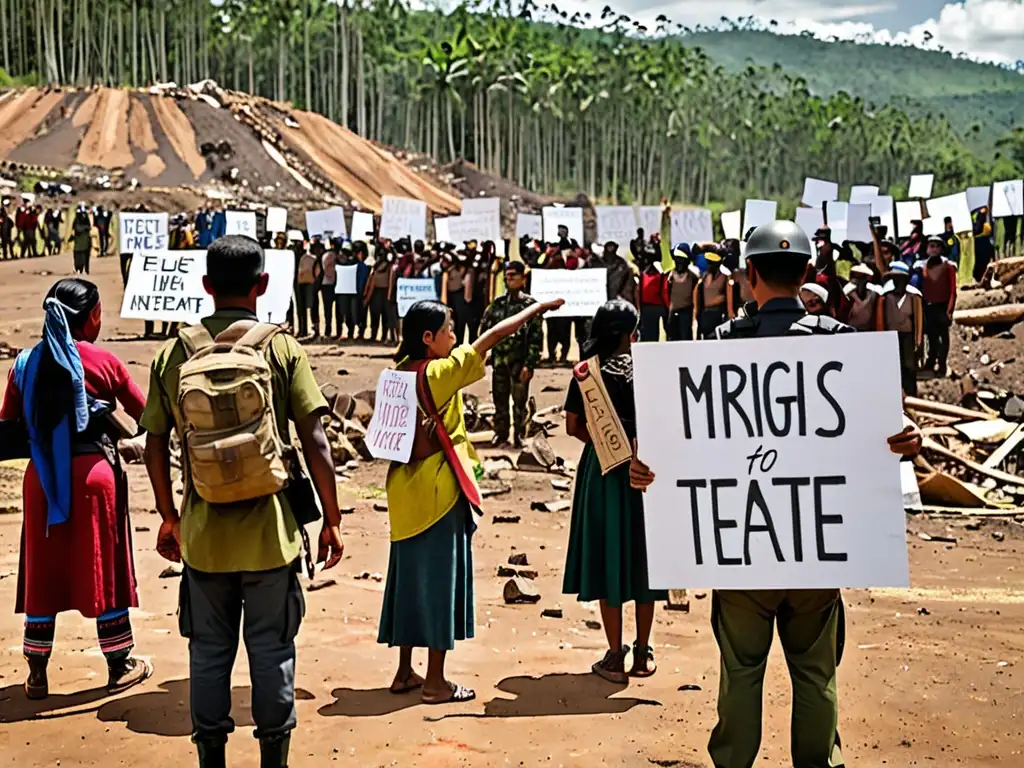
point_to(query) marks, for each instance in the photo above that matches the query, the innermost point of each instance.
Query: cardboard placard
(403, 217)
(756, 213)
(240, 223)
(692, 226)
(556, 216)
(392, 429)
(732, 225)
(362, 226)
(606, 433)
(978, 197)
(277, 220)
(481, 219)
(1008, 198)
(882, 207)
(810, 220)
(858, 223)
(863, 194)
(441, 232)
(584, 290)
(955, 207)
(347, 280)
(648, 218)
(906, 213)
(921, 186)
(143, 232)
(529, 225)
(328, 220)
(616, 224)
(817, 192)
(413, 289)
(771, 463)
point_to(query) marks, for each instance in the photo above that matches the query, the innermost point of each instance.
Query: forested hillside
(624, 114)
(981, 101)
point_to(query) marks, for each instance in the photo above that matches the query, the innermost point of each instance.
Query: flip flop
(643, 653)
(459, 695)
(406, 686)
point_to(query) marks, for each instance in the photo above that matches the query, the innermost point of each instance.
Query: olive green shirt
(257, 535)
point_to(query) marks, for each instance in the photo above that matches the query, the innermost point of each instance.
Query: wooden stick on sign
(603, 424)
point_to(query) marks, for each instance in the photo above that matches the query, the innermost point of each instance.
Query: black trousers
(908, 363)
(709, 321)
(7, 248)
(307, 301)
(936, 326)
(651, 318)
(327, 299)
(680, 325)
(378, 312)
(460, 316)
(346, 312)
(559, 333)
(104, 240)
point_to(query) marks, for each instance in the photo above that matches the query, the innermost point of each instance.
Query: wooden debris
(505, 572)
(316, 586)
(551, 613)
(556, 505)
(995, 474)
(506, 518)
(1003, 452)
(994, 430)
(943, 409)
(488, 493)
(1004, 314)
(518, 558)
(941, 488)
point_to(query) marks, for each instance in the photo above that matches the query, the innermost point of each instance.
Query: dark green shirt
(524, 346)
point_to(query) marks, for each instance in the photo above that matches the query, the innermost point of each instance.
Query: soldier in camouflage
(514, 359)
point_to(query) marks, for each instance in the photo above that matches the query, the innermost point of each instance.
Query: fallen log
(1003, 314)
(1006, 271)
(944, 409)
(971, 511)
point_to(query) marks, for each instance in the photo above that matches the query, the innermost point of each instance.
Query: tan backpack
(226, 405)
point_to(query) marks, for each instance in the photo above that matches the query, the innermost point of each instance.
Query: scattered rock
(689, 687)
(938, 539)
(998, 535)
(551, 613)
(700, 595)
(552, 388)
(538, 456)
(555, 505)
(353, 429)
(141, 529)
(520, 591)
(342, 372)
(488, 493)
(380, 506)
(504, 572)
(362, 411)
(678, 600)
(922, 611)
(592, 624)
(342, 449)
(528, 574)
(316, 586)
(348, 510)
(1014, 409)
(560, 485)
(352, 465)
(506, 518)
(518, 558)
(377, 577)
(172, 571)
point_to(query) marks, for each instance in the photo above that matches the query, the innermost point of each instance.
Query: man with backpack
(230, 387)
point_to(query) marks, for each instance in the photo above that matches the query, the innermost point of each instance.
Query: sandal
(643, 661)
(458, 695)
(411, 683)
(609, 667)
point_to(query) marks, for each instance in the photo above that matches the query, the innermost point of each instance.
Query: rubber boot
(37, 686)
(274, 752)
(211, 754)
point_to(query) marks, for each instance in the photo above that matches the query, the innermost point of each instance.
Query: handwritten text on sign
(143, 232)
(584, 290)
(413, 289)
(773, 472)
(393, 427)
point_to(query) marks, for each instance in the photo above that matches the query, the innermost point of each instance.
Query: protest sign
(693, 225)
(168, 286)
(836, 214)
(771, 463)
(143, 232)
(392, 429)
(1008, 198)
(732, 225)
(977, 197)
(616, 224)
(584, 290)
(240, 223)
(441, 232)
(560, 216)
(464, 229)
(882, 207)
(756, 213)
(413, 289)
(858, 223)
(648, 218)
(277, 220)
(528, 225)
(403, 217)
(817, 192)
(347, 280)
(954, 207)
(933, 225)
(328, 220)
(481, 218)
(863, 194)
(810, 220)
(906, 213)
(362, 226)
(921, 185)
(606, 432)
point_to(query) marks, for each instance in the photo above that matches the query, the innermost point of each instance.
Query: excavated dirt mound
(178, 138)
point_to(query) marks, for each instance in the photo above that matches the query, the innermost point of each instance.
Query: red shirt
(939, 283)
(653, 289)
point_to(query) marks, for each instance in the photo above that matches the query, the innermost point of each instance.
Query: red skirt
(85, 564)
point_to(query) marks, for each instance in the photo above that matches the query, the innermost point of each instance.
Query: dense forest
(615, 110)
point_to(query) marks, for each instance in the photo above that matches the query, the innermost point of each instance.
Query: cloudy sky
(984, 29)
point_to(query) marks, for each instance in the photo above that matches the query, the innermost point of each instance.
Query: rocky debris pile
(346, 425)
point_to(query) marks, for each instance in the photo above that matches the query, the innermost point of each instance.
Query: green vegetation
(621, 112)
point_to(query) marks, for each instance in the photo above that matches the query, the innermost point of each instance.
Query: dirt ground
(932, 675)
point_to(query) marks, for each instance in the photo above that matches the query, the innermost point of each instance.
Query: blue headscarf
(51, 454)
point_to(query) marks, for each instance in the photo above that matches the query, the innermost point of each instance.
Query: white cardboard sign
(393, 426)
(240, 223)
(977, 197)
(692, 226)
(481, 218)
(863, 194)
(817, 192)
(463, 229)
(758, 212)
(403, 217)
(810, 220)
(921, 185)
(649, 219)
(882, 207)
(858, 223)
(362, 226)
(277, 219)
(771, 463)
(584, 290)
(1008, 198)
(906, 213)
(143, 232)
(347, 280)
(441, 232)
(529, 225)
(732, 225)
(955, 207)
(413, 289)
(328, 220)
(616, 224)
(558, 216)
(168, 286)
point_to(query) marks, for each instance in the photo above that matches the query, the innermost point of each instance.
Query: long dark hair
(54, 398)
(615, 319)
(422, 317)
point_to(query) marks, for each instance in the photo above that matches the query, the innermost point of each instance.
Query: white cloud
(985, 29)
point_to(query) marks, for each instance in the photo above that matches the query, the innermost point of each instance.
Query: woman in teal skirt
(607, 557)
(428, 596)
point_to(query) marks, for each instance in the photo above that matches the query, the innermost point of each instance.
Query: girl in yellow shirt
(428, 596)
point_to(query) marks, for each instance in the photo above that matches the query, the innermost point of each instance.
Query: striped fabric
(113, 628)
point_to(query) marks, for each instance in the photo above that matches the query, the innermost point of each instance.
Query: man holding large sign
(759, 503)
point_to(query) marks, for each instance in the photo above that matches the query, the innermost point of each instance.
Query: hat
(346, 245)
(824, 234)
(713, 257)
(936, 239)
(515, 266)
(898, 269)
(681, 251)
(818, 290)
(863, 270)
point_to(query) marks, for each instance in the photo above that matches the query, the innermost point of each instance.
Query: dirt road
(932, 676)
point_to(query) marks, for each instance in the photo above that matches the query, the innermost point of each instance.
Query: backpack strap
(258, 336)
(194, 338)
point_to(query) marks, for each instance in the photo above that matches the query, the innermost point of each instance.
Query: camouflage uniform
(508, 359)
